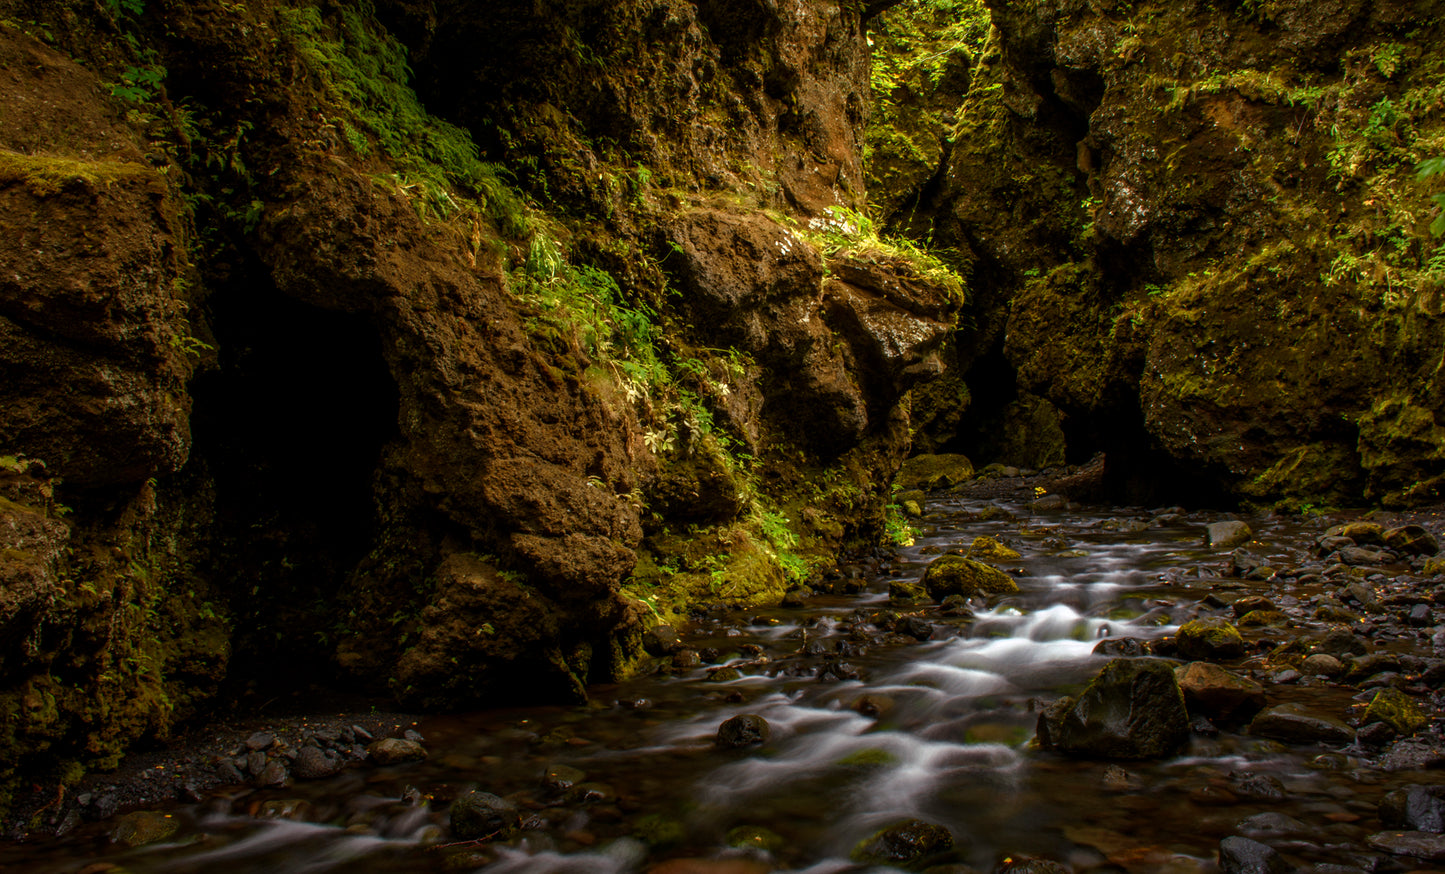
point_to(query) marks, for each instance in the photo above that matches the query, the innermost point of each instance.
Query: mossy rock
(906, 844)
(1210, 639)
(755, 837)
(658, 831)
(934, 472)
(873, 757)
(484, 815)
(956, 575)
(1134, 709)
(143, 827)
(903, 592)
(990, 548)
(1397, 710)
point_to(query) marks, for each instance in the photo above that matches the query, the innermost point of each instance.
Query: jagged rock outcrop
(1197, 230)
(292, 377)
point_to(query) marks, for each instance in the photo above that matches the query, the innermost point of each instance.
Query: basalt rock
(1132, 710)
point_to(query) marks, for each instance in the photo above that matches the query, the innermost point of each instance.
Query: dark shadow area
(290, 428)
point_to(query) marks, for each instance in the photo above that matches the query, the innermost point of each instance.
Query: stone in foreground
(905, 843)
(1133, 709)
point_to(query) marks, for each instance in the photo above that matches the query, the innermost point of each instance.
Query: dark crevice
(290, 427)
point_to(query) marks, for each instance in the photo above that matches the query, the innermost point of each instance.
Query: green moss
(1397, 710)
(956, 575)
(46, 175)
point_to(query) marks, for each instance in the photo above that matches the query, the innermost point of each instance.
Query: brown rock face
(1171, 226)
(283, 378)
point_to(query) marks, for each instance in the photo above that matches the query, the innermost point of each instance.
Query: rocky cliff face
(298, 382)
(1196, 231)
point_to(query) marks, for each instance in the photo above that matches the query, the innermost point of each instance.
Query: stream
(867, 728)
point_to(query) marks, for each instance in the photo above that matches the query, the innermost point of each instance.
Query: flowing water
(865, 731)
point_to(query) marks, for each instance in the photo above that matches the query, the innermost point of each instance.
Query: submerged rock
(905, 843)
(956, 575)
(1133, 709)
(985, 547)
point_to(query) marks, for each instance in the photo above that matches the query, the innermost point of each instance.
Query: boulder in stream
(1397, 710)
(906, 844)
(743, 730)
(394, 751)
(1209, 639)
(1415, 808)
(1221, 695)
(1133, 709)
(1224, 535)
(1239, 855)
(1293, 723)
(477, 815)
(1412, 540)
(956, 575)
(142, 827)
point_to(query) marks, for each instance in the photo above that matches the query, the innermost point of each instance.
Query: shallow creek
(937, 729)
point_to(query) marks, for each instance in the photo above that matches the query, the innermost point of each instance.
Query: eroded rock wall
(1197, 230)
(283, 404)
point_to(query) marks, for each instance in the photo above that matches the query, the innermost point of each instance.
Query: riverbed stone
(394, 751)
(480, 814)
(746, 729)
(1362, 533)
(1397, 710)
(560, 778)
(314, 763)
(1420, 845)
(660, 640)
(905, 843)
(1294, 723)
(1240, 855)
(990, 548)
(1209, 639)
(1133, 709)
(1228, 534)
(1412, 540)
(956, 575)
(906, 592)
(142, 827)
(1221, 695)
(1358, 556)
(1414, 808)
(1322, 664)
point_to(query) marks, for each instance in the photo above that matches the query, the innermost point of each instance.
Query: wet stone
(1223, 535)
(1238, 855)
(1293, 723)
(261, 740)
(313, 763)
(1415, 808)
(394, 751)
(560, 778)
(478, 815)
(143, 827)
(274, 774)
(1209, 639)
(1133, 709)
(906, 843)
(744, 730)
(1420, 845)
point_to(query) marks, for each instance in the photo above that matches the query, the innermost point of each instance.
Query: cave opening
(290, 428)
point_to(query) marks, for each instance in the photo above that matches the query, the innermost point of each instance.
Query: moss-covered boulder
(989, 548)
(143, 827)
(956, 575)
(1133, 709)
(1397, 710)
(1210, 639)
(934, 472)
(907, 844)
